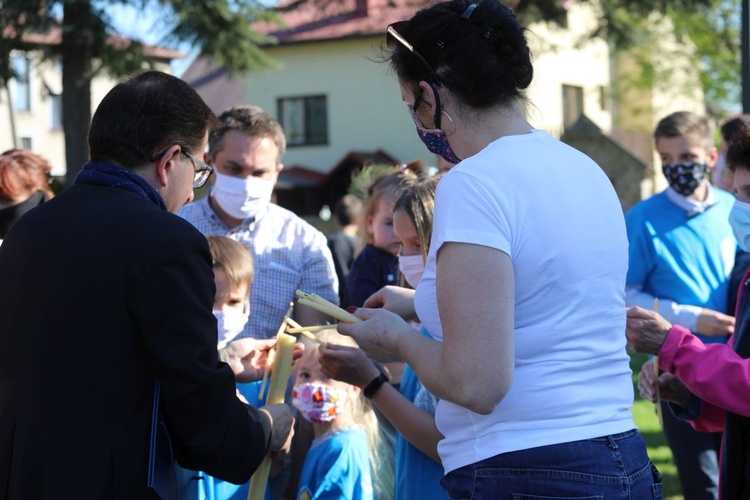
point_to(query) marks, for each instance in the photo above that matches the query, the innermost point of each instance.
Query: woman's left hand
(347, 364)
(379, 335)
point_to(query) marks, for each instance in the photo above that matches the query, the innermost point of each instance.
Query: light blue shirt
(288, 254)
(417, 475)
(337, 467)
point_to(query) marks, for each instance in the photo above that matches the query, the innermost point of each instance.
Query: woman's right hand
(395, 299)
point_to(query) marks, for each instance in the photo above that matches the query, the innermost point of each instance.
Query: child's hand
(249, 357)
(347, 364)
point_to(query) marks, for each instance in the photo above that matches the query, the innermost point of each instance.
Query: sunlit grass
(648, 423)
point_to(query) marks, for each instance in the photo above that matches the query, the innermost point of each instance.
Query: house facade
(333, 94)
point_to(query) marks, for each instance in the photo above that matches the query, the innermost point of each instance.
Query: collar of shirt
(692, 207)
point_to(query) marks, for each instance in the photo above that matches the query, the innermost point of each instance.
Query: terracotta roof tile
(340, 19)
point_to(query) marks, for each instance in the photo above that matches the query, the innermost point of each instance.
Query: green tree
(715, 30)
(221, 28)
(708, 43)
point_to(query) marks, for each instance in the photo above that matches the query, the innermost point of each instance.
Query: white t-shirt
(555, 213)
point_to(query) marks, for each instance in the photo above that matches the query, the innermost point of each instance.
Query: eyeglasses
(202, 173)
(392, 36)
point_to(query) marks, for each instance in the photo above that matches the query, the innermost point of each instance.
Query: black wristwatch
(373, 387)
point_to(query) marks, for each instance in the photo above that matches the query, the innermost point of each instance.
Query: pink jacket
(713, 372)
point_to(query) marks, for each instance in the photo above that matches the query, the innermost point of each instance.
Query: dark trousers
(695, 455)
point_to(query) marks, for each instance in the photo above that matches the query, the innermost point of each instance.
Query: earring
(453, 125)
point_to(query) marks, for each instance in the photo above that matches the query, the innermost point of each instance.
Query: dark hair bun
(484, 58)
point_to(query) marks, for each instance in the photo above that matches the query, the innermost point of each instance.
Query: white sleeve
(677, 314)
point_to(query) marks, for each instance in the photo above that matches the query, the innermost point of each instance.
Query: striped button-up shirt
(288, 254)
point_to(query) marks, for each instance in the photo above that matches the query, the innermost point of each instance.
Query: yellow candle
(297, 328)
(322, 305)
(656, 372)
(282, 370)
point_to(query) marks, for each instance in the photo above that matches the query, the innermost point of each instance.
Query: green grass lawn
(648, 423)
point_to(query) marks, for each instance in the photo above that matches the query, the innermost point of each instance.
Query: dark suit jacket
(100, 292)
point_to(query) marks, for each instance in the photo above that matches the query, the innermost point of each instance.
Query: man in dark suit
(104, 292)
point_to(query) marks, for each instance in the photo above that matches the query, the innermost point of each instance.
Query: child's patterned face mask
(318, 403)
(684, 177)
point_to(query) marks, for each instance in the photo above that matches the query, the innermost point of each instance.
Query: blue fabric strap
(102, 173)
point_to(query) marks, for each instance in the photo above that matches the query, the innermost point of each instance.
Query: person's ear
(279, 168)
(711, 158)
(207, 159)
(166, 163)
(428, 96)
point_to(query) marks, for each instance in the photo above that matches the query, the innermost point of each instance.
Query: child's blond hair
(232, 258)
(377, 182)
(360, 414)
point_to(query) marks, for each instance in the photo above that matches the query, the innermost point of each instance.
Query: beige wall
(565, 56)
(37, 122)
(365, 110)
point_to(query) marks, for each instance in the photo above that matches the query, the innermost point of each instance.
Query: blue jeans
(605, 468)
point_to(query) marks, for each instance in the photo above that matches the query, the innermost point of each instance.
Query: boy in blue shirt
(682, 252)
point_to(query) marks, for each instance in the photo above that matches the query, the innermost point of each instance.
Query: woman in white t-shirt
(523, 289)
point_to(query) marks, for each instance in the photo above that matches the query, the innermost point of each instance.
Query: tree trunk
(75, 52)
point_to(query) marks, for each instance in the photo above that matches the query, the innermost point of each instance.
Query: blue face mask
(739, 219)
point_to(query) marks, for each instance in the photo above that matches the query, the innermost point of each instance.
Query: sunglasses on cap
(393, 37)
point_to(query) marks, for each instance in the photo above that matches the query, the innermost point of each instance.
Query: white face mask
(412, 267)
(230, 323)
(242, 198)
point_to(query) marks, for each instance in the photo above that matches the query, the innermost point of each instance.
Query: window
(22, 92)
(55, 101)
(603, 98)
(572, 104)
(305, 120)
(26, 143)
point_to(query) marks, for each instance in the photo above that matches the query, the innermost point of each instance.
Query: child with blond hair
(345, 456)
(376, 265)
